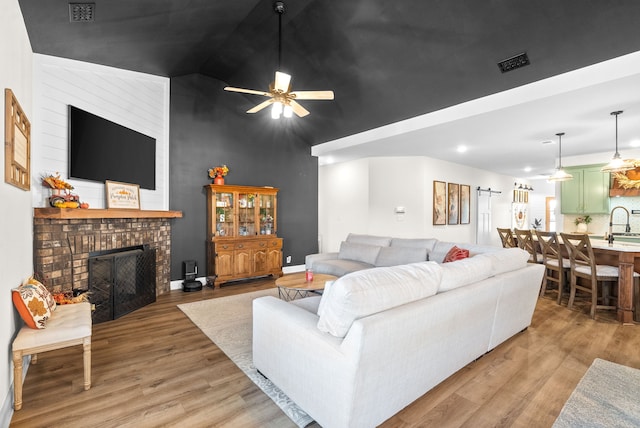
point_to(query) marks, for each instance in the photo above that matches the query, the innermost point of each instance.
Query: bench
(69, 325)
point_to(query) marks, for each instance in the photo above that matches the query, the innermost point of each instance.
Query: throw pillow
(51, 302)
(393, 256)
(358, 252)
(31, 305)
(455, 253)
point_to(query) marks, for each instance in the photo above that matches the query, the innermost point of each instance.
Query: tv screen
(102, 150)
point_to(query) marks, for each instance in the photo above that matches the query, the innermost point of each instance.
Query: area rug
(227, 321)
(608, 395)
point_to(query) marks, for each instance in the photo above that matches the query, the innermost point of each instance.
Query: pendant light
(560, 174)
(617, 164)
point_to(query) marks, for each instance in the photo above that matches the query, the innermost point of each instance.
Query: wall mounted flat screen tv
(102, 150)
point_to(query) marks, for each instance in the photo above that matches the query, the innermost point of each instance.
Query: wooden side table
(295, 285)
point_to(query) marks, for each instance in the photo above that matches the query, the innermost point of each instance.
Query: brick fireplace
(64, 237)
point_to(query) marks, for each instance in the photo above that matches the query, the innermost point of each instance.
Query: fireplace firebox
(121, 281)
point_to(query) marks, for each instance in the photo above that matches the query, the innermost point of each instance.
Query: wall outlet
(288, 259)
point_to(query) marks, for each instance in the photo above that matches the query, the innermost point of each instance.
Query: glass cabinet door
(225, 215)
(266, 215)
(246, 214)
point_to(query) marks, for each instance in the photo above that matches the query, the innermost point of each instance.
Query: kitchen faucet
(627, 228)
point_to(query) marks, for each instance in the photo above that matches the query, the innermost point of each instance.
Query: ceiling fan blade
(298, 109)
(282, 82)
(260, 106)
(247, 91)
(312, 95)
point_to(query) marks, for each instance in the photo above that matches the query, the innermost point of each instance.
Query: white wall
(361, 196)
(16, 215)
(135, 100)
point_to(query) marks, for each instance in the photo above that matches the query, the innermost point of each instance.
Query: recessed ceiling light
(461, 149)
(527, 169)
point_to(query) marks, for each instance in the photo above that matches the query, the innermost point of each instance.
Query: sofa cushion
(366, 292)
(310, 304)
(505, 260)
(381, 241)
(428, 243)
(464, 272)
(455, 253)
(338, 267)
(359, 252)
(393, 256)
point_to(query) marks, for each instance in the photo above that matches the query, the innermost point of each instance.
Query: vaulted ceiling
(386, 62)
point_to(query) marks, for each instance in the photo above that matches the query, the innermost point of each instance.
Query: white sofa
(385, 336)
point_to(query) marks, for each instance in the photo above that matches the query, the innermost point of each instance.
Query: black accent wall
(209, 127)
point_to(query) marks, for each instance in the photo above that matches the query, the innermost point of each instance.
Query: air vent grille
(514, 62)
(81, 12)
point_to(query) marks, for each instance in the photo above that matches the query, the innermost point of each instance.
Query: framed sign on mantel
(122, 195)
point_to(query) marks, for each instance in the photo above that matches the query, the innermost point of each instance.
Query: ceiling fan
(282, 100)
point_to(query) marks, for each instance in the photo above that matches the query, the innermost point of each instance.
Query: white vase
(582, 228)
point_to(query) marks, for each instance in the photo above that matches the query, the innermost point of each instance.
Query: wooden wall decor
(625, 183)
(17, 143)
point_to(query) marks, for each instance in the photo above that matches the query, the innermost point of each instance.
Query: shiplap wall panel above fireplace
(135, 100)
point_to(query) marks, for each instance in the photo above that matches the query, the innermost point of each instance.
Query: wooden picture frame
(17, 146)
(439, 203)
(453, 202)
(465, 204)
(122, 195)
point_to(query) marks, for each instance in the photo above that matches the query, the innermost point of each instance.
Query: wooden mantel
(79, 213)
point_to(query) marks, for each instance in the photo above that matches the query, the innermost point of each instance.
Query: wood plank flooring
(154, 368)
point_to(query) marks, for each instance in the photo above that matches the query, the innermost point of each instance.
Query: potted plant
(582, 222)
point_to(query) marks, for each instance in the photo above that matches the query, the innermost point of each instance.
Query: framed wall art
(122, 195)
(17, 146)
(465, 204)
(453, 203)
(439, 203)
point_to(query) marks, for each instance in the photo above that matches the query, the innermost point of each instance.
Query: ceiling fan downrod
(279, 8)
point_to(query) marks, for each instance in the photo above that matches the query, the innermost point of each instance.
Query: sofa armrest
(298, 358)
(310, 259)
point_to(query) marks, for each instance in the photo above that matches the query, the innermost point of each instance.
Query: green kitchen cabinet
(587, 193)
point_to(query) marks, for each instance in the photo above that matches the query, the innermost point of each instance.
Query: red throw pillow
(456, 253)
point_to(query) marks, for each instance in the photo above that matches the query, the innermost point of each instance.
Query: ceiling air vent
(514, 62)
(81, 12)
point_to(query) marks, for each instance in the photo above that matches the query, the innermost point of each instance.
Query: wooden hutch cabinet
(242, 239)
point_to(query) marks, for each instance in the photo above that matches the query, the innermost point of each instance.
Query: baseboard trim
(177, 284)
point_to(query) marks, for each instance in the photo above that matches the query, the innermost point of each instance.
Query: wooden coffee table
(295, 285)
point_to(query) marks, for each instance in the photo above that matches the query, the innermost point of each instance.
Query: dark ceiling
(385, 60)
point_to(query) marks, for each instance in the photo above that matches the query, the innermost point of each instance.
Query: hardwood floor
(153, 368)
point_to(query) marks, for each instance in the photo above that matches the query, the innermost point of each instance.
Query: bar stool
(583, 265)
(553, 262)
(524, 239)
(506, 236)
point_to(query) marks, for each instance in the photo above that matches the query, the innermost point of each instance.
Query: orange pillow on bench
(33, 304)
(455, 253)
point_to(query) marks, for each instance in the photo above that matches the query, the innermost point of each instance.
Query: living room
(197, 127)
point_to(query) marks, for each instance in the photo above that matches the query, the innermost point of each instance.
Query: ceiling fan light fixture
(287, 111)
(276, 110)
(617, 164)
(560, 174)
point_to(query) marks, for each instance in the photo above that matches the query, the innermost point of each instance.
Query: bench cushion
(68, 322)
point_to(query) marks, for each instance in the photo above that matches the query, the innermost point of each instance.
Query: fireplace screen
(122, 282)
